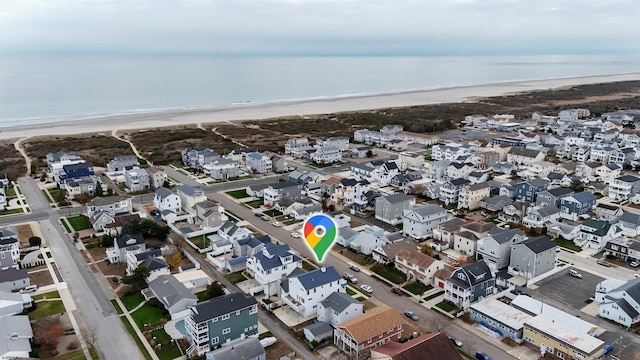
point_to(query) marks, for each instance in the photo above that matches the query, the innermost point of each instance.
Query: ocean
(44, 89)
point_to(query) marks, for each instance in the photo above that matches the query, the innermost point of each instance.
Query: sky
(321, 27)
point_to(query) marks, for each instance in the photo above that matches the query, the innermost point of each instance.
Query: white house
(166, 200)
(521, 156)
(10, 245)
(624, 187)
(326, 155)
(305, 291)
(622, 304)
(157, 177)
(270, 266)
(175, 297)
(420, 221)
(259, 163)
(339, 307)
(596, 233)
(417, 266)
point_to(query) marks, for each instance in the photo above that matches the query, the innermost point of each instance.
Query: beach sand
(300, 108)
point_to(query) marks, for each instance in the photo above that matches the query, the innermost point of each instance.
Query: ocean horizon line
(66, 118)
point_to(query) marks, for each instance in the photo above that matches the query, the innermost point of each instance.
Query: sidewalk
(139, 334)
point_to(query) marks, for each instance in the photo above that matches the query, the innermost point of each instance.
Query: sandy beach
(300, 108)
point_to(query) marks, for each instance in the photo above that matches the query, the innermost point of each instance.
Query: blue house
(526, 191)
(571, 207)
(76, 171)
(219, 321)
(469, 283)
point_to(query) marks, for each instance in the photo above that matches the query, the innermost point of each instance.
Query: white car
(366, 288)
(276, 224)
(634, 263)
(295, 235)
(29, 289)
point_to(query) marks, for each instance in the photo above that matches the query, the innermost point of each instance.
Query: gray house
(495, 203)
(13, 279)
(136, 179)
(119, 164)
(468, 284)
(528, 190)
(552, 196)
(532, 257)
(390, 208)
(219, 321)
(175, 297)
(495, 249)
(247, 349)
(220, 168)
(339, 307)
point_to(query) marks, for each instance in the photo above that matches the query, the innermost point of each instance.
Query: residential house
(282, 190)
(157, 177)
(552, 196)
(256, 190)
(538, 216)
(508, 190)
(487, 159)
(246, 349)
(386, 253)
(397, 145)
(76, 171)
(3, 197)
(608, 212)
(232, 232)
(361, 152)
(296, 146)
(326, 155)
(190, 196)
(55, 162)
(10, 245)
(210, 214)
(12, 279)
(427, 346)
(521, 156)
(152, 260)
(173, 295)
(370, 238)
(444, 233)
(390, 208)
(622, 304)
(587, 170)
(466, 238)
(495, 203)
(601, 153)
(468, 284)
(15, 337)
(417, 266)
(495, 248)
(582, 153)
(411, 161)
(258, 163)
(630, 224)
(596, 233)
(470, 195)
(608, 172)
(457, 170)
(136, 180)
(318, 332)
(125, 243)
(623, 249)
(576, 205)
(624, 156)
(77, 186)
(113, 225)
(270, 266)
(624, 187)
(303, 292)
(376, 327)
(119, 164)
(278, 163)
(532, 257)
(527, 190)
(438, 169)
(539, 169)
(349, 191)
(384, 172)
(450, 190)
(420, 221)
(166, 200)
(13, 303)
(477, 177)
(338, 308)
(220, 168)
(340, 142)
(198, 157)
(219, 321)
(514, 212)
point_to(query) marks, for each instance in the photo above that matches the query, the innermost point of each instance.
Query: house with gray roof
(495, 248)
(624, 187)
(13, 303)
(420, 221)
(271, 266)
(13, 279)
(220, 168)
(119, 164)
(10, 246)
(245, 349)
(574, 206)
(495, 203)
(318, 331)
(259, 163)
(522, 156)
(232, 232)
(538, 216)
(532, 257)
(552, 196)
(171, 293)
(167, 201)
(136, 180)
(303, 292)
(339, 307)
(219, 321)
(468, 284)
(450, 190)
(15, 337)
(390, 208)
(152, 260)
(622, 305)
(126, 244)
(629, 222)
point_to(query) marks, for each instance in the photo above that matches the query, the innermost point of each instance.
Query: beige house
(471, 195)
(418, 266)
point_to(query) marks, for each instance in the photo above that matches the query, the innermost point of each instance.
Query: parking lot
(566, 289)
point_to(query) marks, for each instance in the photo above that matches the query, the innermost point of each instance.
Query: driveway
(568, 290)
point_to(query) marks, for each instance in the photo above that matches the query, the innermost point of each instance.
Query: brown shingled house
(433, 346)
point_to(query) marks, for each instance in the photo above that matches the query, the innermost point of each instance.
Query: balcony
(293, 303)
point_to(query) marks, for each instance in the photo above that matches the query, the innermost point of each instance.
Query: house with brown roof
(441, 276)
(386, 253)
(432, 346)
(466, 238)
(358, 336)
(417, 266)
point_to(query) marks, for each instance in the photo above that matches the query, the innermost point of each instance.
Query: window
(225, 317)
(253, 309)
(215, 319)
(237, 312)
(215, 340)
(226, 331)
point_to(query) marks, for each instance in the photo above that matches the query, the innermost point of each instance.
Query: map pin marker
(320, 232)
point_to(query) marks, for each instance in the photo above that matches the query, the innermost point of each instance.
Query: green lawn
(238, 194)
(201, 241)
(117, 307)
(350, 292)
(255, 203)
(233, 216)
(168, 350)
(50, 295)
(79, 222)
(567, 244)
(273, 213)
(130, 301)
(416, 288)
(235, 277)
(361, 299)
(10, 191)
(362, 260)
(46, 194)
(12, 211)
(132, 332)
(445, 306)
(307, 266)
(74, 355)
(65, 226)
(390, 273)
(46, 308)
(147, 314)
(433, 296)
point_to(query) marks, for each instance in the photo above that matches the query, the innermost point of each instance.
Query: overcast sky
(321, 27)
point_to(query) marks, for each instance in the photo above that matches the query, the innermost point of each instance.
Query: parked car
(265, 218)
(354, 268)
(29, 289)
(482, 356)
(259, 214)
(607, 348)
(456, 342)
(411, 315)
(366, 288)
(604, 263)
(575, 274)
(350, 278)
(397, 291)
(634, 263)
(276, 224)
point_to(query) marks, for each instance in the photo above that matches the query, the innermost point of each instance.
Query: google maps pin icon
(320, 232)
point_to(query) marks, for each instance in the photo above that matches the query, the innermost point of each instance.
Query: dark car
(396, 291)
(258, 214)
(604, 263)
(482, 356)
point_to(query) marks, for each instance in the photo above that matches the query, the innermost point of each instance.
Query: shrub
(35, 241)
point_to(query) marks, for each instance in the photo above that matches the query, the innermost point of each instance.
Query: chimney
(323, 269)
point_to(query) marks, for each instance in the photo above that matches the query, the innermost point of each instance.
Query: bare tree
(88, 336)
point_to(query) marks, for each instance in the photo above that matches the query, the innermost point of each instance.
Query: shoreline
(300, 108)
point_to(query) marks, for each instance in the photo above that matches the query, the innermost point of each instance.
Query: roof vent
(323, 269)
